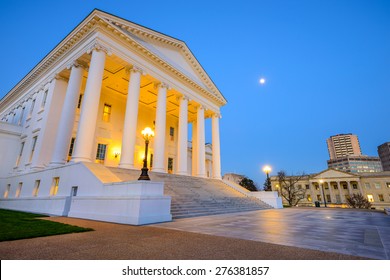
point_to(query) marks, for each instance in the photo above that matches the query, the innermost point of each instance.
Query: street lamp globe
(267, 169)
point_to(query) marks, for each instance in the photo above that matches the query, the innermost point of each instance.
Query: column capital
(162, 85)
(57, 76)
(77, 64)
(217, 115)
(98, 46)
(134, 69)
(181, 96)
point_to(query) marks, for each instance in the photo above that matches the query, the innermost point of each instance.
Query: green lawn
(19, 225)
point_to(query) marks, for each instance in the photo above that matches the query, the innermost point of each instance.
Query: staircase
(193, 196)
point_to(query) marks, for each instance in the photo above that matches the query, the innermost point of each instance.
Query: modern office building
(336, 186)
(342, 145)
(345, 155)
(384, 155)
(356, 164)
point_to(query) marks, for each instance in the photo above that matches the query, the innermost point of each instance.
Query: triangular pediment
(333, 173)
(168, 50)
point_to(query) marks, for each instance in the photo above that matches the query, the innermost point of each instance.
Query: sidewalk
(123, 242)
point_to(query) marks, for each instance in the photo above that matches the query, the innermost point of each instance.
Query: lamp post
(323, 193)
(267, 169)
(147, 133)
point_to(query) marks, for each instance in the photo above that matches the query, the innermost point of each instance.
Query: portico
(71, 129)
(118, 78)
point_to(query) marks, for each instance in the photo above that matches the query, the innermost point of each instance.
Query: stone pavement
(346, 231)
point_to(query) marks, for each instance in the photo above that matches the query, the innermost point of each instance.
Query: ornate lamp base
(144, 174)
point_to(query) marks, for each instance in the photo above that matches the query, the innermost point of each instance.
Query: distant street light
(267, 169)
(323, 193)
(147, 133)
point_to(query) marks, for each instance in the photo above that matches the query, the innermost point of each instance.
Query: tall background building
(342, 145)
(384, 155)
(345, 154)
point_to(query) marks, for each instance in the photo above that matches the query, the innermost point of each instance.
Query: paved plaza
(283, 234)
(346, 231)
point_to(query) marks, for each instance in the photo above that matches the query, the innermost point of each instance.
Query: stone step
(193, 196)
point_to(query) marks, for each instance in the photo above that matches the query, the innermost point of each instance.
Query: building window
(308, 197)
(354, 186)
(171, 133)
(317, 187)
(377, 185)
(80, 100)
(367, 185)
(307, 187)
(380, 196)
(370, 198)
(101, 153)
(54, 187)
(345, 186)
(36, 187)
(20, 154)
(170, 165)
(34, 143)
(44, 99)
(335, 187)
(347, 197)
(106, 113)
(19, 190)
(319, 197)
(338, 198)
(71, 148)
(7, 190)
(328, 198)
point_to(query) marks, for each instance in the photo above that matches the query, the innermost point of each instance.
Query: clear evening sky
(326, 65)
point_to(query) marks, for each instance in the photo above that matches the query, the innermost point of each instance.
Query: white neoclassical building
(84, 105)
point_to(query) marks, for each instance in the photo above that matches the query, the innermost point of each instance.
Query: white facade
(89, 99)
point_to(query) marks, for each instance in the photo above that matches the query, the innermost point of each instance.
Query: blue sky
(327, 66)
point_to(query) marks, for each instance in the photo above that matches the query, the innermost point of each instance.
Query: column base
(183, 173)
(57, 163)
(126, 165)
(78, 159)
(159, 170)
(201, 175)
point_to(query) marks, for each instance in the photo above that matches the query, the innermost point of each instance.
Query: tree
(358, 201)
(248, 184)
(267, 184)
(289, 189)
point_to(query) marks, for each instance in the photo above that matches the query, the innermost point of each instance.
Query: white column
(216, 148)
(159, 139)
(131, 116)
(182, 141)
(194, 148)
(341, 191)
(201, 169)
(349, 188)
(65, 126)
(89, 110)
(332, 198)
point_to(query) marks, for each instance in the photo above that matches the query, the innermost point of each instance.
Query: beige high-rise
(342, 145)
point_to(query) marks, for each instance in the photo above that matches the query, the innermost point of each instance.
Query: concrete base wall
(135, 202)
